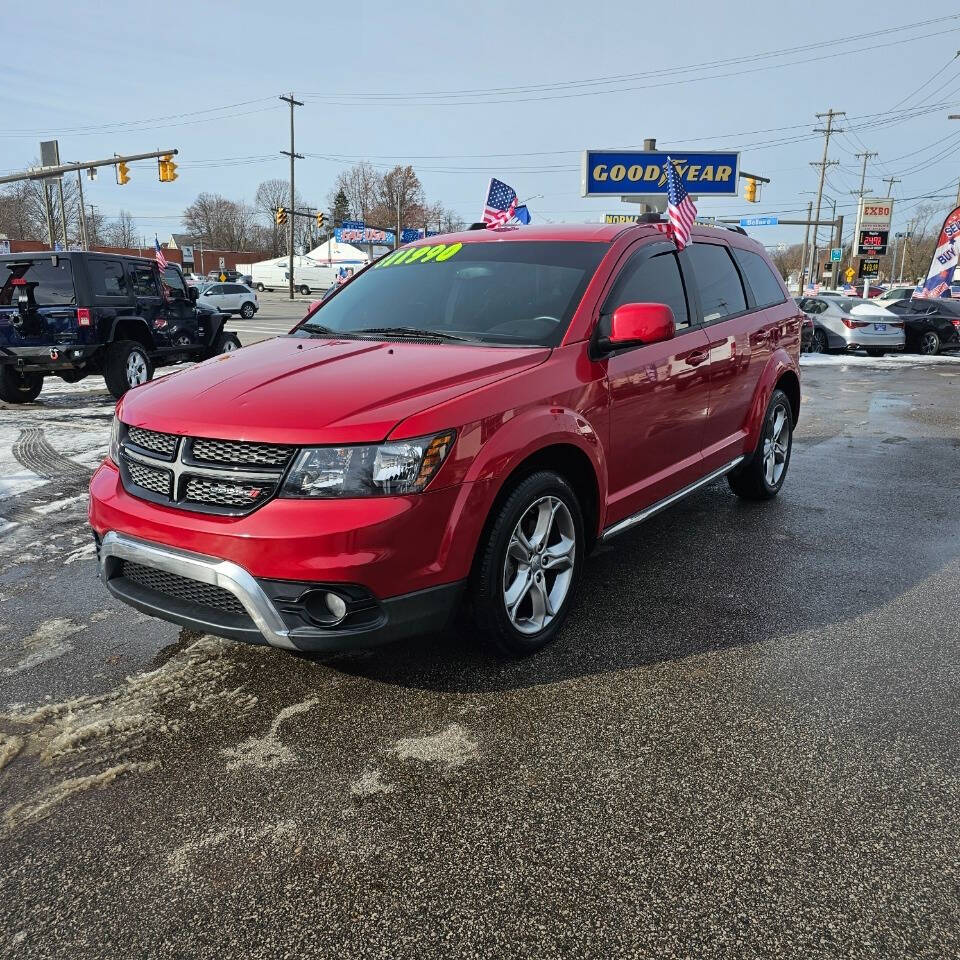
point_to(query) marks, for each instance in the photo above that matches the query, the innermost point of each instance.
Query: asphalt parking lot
(745, 744)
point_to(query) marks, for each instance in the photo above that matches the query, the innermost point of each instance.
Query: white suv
(231, 298)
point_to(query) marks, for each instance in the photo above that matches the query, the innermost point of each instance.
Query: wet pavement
(745, 743)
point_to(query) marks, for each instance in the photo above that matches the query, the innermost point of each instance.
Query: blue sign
(759, 221)
(408, 235)
(355, 231)
(836, 254)
(638, 172)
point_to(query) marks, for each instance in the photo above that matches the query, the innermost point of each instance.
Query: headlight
(383, 469)
(114, 452)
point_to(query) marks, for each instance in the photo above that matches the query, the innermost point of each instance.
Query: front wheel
(930, 344)
(18, 387)
(247, 310)
(528, 565)
(260, 288)
(761, 476)
(226, 343)
(127, 366)
(305, 291)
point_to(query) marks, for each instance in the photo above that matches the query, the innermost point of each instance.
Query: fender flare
(531, 431)
(136, 320)
(780, 362)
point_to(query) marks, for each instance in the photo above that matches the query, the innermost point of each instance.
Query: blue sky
(204, 77)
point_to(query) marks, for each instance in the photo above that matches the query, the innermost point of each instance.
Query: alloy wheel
(539, 565)
(136, 369)
(819, 342)
(776, 445)
(929, 343)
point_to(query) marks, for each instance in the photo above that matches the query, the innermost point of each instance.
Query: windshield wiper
(327, 331)
(415, 333)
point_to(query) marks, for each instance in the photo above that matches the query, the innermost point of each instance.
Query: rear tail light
(956, 323)
(853, 324)
(18, 282)
(83, 317)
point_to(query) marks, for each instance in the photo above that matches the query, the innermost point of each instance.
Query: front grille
(156, 481)
(239, 453)
(165, 443)
(182, 588)
(226, 493)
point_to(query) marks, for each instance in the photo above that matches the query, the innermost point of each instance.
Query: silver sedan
(848, 323)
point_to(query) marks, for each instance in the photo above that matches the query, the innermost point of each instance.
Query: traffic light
(123, 173)
(320, 219)
(168, 169)
(750, 192)
(281, 216)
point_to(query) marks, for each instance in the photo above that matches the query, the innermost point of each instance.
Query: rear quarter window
(764, 284)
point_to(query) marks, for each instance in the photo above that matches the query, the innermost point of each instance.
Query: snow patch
(267, 752)
(369, 784)
(85, 551)
(890, 362)
(46, 643)
(9, 748)
(451, 748)
(284, 833)
(56, 505)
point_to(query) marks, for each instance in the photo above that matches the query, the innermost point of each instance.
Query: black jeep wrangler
(75, 314)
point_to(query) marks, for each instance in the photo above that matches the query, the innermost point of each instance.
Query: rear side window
(47, 285)
(236, 288)
(717, 280)
(765, 286)
(144, 283)
(107, 278)
(649, 280)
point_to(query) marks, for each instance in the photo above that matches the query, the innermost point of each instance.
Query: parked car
(75, 314)
(230, 298)
(195, 279)
(931, 326)
(232, 276)
(245, 279)
(894, 294)
(849, 323)
(465, 417)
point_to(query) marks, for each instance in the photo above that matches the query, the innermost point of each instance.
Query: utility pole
(294, 156)
(63, 212)
(827, 132)
(806, 241)
(83, 216)
(48, 209)
(891, 181)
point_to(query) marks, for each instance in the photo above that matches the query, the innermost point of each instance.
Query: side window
(215, 290)
(765, 286)
(107, 278)
(236, 288)
(647, 279)
(143, 281)
(174, 283)
(717, 280)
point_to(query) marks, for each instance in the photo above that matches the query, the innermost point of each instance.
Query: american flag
(161, 259)
(501, 203)
(681, 212)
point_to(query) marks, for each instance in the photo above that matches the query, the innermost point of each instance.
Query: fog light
(336, 605)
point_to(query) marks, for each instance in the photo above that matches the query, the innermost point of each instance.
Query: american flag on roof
(501, 203)
(681, 212)
(158, 253)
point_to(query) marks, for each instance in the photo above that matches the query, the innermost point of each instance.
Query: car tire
(876, 353)
(127, 366)
(304, 291)
(260, 288)
(512, 592)
(819, 343)
(248, 310)
(762, 474)
(226, 343)
(19, 387)
(929, 343)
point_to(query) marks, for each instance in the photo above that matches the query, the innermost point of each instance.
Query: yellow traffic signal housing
(320, 219)
(750, 192)
(281, 216)
(168, 169)
(123, 173)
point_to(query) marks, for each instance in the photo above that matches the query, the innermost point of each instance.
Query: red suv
(471, 413)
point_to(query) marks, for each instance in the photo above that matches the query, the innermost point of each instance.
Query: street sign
(607, 173)
(869, 268)
(836, 254)
(873, 243)
(759, 221)
(223, 263)
(849, 273)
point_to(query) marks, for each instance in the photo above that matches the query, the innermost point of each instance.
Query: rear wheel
(529, 564)
(247, 310)
(127, 366)
(260, 288)
(819, 343)
(930, 344)
(305, 290)
(762, 475)
(226, 343)
(19, 387)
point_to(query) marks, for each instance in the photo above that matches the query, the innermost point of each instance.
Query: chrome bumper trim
(655, 508)
(195, 566)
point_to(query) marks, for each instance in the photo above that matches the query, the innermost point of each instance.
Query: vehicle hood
(318, 391)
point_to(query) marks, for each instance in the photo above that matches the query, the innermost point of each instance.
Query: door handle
(697, 357)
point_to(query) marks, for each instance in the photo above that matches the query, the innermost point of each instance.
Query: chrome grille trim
(224, 493)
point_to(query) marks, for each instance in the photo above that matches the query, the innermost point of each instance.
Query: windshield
(512, 292)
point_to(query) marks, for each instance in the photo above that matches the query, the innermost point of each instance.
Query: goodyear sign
(625, 172)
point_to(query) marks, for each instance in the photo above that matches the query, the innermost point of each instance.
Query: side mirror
(194, 293)
(633, 324)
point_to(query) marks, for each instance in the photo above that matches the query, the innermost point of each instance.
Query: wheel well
(574, 466)
(129, 328)
(789, 383)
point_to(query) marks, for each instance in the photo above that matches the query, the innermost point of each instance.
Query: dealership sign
(356, 231)
(607, 173)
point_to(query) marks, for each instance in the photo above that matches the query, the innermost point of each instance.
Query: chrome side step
(655, 508)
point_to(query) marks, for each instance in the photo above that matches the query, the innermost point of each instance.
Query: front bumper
(271, 611)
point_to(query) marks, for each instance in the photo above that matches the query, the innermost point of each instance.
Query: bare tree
(222, 224)
(122, 232)
(23, 215)
(270, 195)
(361, 185)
